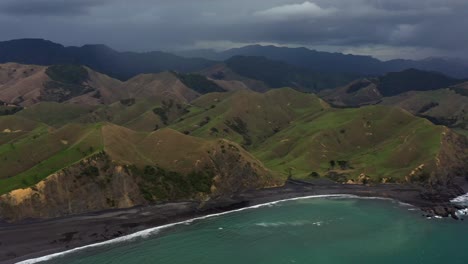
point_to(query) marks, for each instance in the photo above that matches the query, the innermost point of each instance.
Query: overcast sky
(382, 28)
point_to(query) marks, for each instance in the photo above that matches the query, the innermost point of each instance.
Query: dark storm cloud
(47, 7)
(386, 28)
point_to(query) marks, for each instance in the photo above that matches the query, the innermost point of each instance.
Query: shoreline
(34, 239)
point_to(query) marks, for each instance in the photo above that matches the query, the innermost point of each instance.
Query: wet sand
(21, 241)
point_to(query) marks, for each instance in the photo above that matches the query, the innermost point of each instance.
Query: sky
(385, 29)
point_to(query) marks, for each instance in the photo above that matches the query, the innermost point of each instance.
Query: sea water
(313, 230)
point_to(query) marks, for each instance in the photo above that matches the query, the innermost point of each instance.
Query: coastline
(33, 239)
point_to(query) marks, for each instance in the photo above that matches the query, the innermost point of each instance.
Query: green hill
(247, 117)
(301, 136)
(55, 114)
(371, 90)
(443, 106)
(28, 159)
(50, 173)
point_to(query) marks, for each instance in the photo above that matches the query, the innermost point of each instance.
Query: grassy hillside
(443, 106)
(28, 159)
(299, 135)
(377, 142)
(42, 151)
(55, 114)
(247, 117)
(371, 90)
(357, 93)
(12, 127)
(138, 114)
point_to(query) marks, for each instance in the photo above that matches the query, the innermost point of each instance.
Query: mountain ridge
(121, 65)
(322, 61)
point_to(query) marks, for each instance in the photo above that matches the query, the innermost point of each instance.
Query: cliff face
(93, 184)
(98, 183)
(448, 175)
(452, 161)
(236, 171)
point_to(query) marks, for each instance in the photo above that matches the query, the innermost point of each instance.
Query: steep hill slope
(121, 167)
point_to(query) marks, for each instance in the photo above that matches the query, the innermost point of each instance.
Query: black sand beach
(21, 241)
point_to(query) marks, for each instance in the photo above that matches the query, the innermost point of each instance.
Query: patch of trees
(59, 92)
(218, 75)
(428, 107)
(341, 164)
(67, 73)
(199, 83)
(205, 121)
(128, 102)
(460, 90)
(314, 174)
(337, 177)
(238, 125)
(9, 110)
(160, 184)
(162, 113)
(357, 86)
(91, 171)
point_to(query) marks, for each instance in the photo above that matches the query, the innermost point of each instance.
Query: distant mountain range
(336, 62)
(120, 65)
(125, 65)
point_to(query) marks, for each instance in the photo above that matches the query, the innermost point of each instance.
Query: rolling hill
(442, 100)
(26, 85)
(442, 106)
(371, 90)
(302, 136)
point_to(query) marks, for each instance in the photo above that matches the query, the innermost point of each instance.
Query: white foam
(462, 200)
(293, 223)
(152, 231)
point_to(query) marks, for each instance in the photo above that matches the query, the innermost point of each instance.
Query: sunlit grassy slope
(299, 134)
